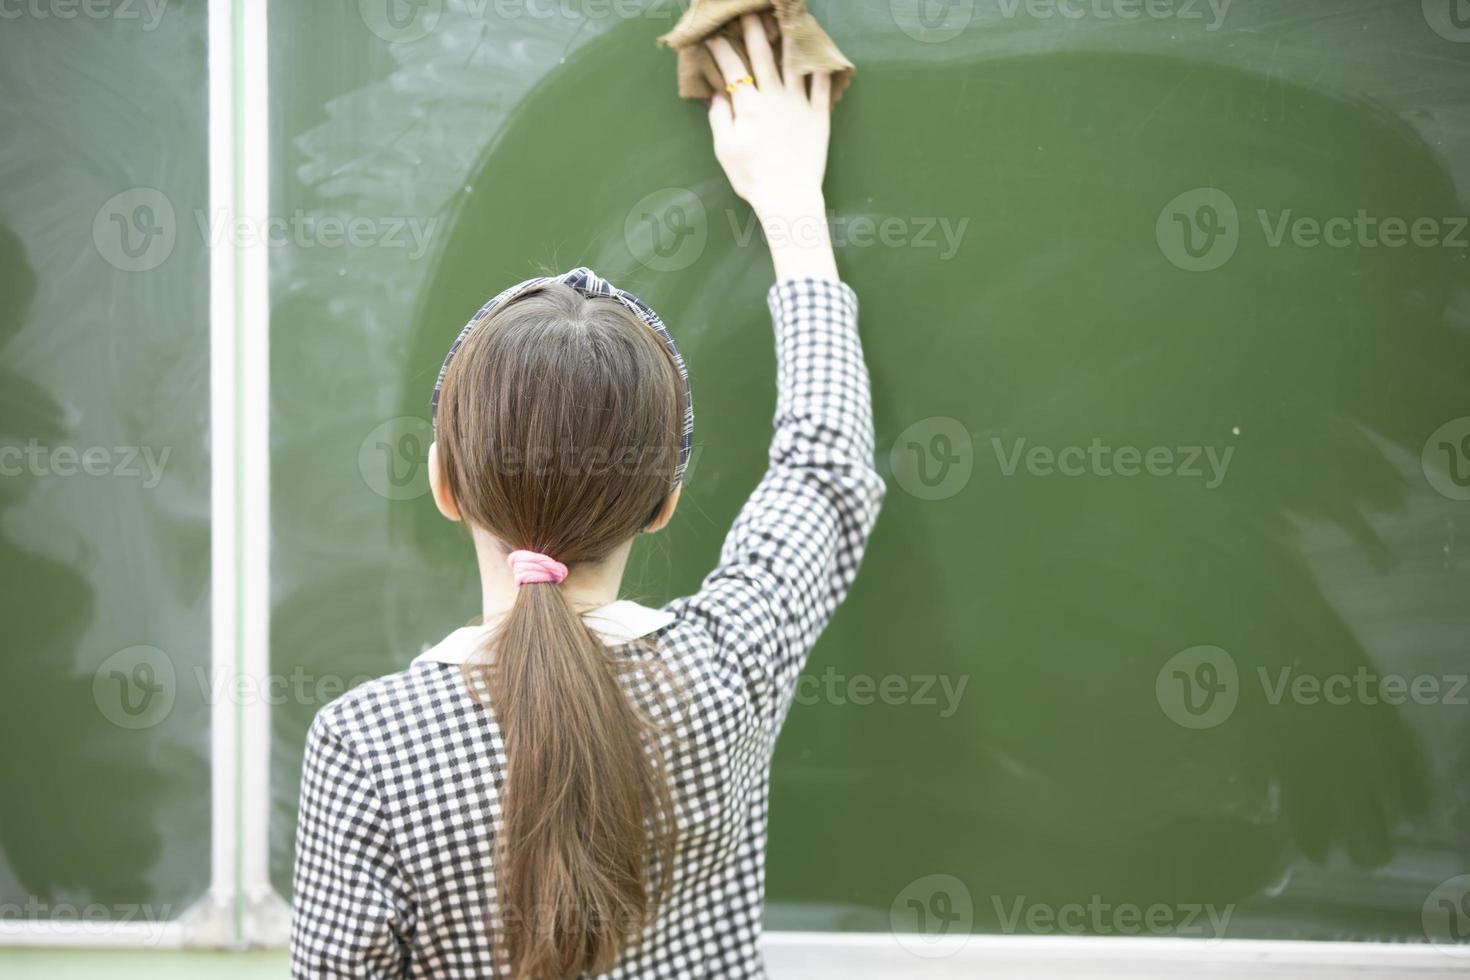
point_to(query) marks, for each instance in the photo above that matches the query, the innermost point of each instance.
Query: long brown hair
(558, 426)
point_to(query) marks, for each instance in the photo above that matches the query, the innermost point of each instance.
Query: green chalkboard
(1155, 455)
(104, 466)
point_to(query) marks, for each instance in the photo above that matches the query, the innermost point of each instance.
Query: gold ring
(747, 80)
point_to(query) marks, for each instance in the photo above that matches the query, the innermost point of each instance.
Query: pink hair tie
(531, 567)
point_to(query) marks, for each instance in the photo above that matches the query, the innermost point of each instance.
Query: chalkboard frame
(239, 908)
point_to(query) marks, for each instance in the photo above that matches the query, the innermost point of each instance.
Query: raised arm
(771, 139)
(795, 548)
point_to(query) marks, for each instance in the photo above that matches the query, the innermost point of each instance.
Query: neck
(587, 586)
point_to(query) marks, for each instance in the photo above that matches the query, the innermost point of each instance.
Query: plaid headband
(590, 284)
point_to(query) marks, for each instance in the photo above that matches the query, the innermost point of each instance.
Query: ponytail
(586, 836)
(586, 813)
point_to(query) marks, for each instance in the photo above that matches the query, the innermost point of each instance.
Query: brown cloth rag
(787, 22)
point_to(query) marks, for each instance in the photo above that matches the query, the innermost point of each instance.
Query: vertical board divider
(265, 917)
(241, 907)
(213, 920)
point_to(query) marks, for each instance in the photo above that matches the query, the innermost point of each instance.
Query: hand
(771, 140)
(770, 137)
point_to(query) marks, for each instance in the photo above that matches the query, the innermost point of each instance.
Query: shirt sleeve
(351, 910)
(796, 545)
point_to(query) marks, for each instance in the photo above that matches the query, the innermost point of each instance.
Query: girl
(579, 786)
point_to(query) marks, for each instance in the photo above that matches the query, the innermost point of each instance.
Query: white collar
(614, 624)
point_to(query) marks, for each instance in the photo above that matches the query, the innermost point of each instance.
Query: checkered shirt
(400, 789)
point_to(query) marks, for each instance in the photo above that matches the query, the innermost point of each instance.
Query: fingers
(721, 116)
(730, 64)
(822, 90)
(794, 80)
(762, 59)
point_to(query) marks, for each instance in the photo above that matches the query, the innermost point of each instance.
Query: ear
(439, 486)
(665, 512)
